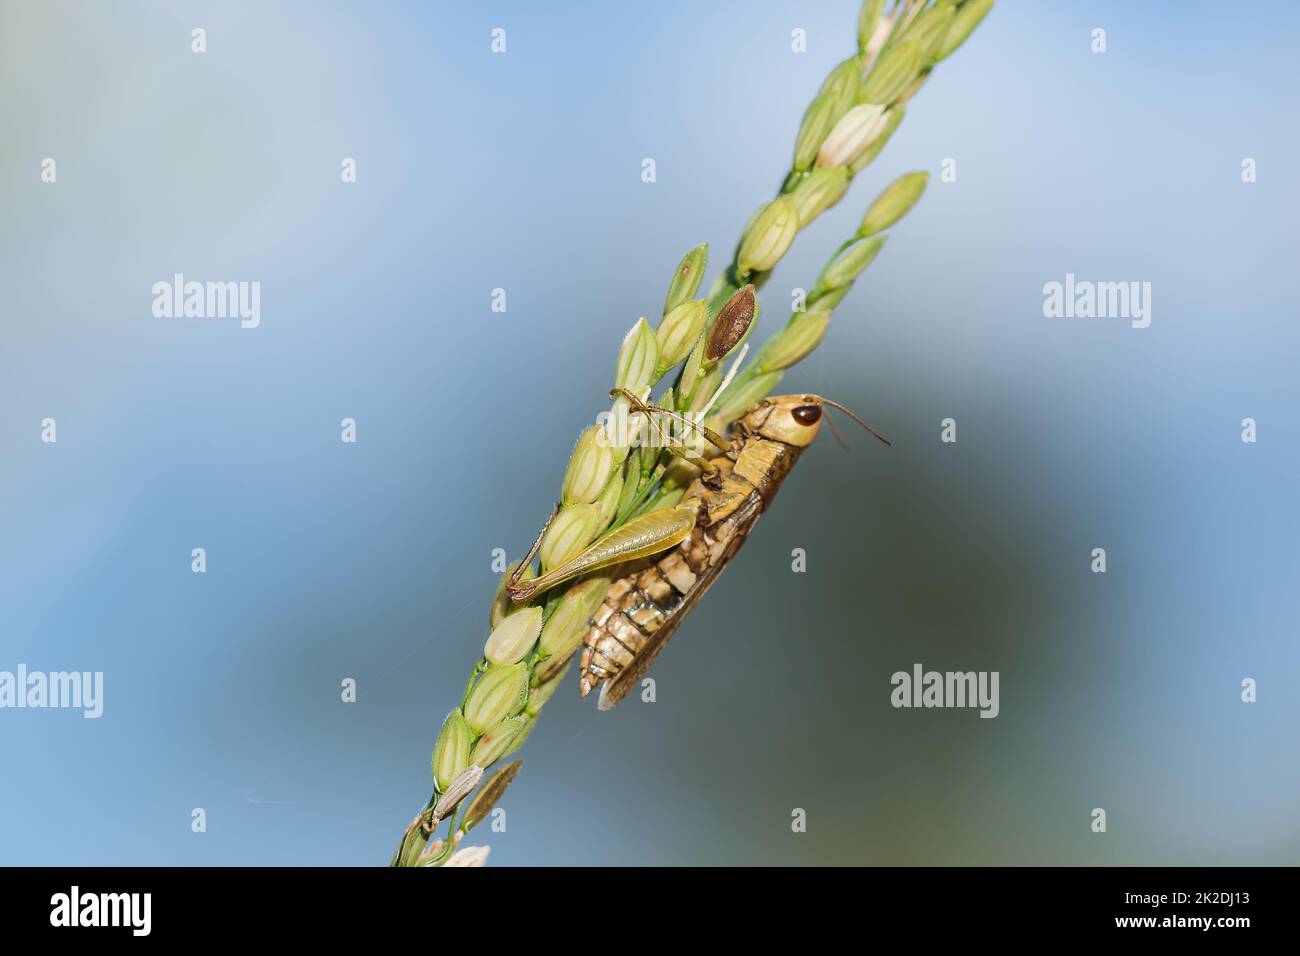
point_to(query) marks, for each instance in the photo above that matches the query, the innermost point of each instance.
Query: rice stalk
(617, 470)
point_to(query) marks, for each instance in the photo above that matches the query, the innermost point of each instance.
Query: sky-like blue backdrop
(522, 171)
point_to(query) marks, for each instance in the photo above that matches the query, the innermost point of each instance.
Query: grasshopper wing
(730, 533)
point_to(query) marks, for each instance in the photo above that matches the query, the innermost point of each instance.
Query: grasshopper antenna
(827, 401)
(836, 432)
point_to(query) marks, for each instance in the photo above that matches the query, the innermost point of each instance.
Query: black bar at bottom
(334, 905)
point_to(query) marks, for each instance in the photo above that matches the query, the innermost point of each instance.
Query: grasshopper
(694, 540)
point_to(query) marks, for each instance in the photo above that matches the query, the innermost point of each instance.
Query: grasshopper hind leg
(639, 537)
(512, 582)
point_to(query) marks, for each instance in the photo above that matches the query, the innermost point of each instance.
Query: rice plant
(632, 482)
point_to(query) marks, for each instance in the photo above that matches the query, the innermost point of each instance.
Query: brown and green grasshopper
(690, 543)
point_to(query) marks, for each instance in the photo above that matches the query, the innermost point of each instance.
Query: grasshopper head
(792, 419)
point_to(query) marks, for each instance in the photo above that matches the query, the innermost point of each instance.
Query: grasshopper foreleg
(636, 405)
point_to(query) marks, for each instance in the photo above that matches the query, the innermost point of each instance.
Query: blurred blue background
(522, 171)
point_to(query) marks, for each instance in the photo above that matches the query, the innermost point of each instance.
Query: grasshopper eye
(807, 414)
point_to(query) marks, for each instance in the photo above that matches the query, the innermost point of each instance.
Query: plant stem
(503, 696)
